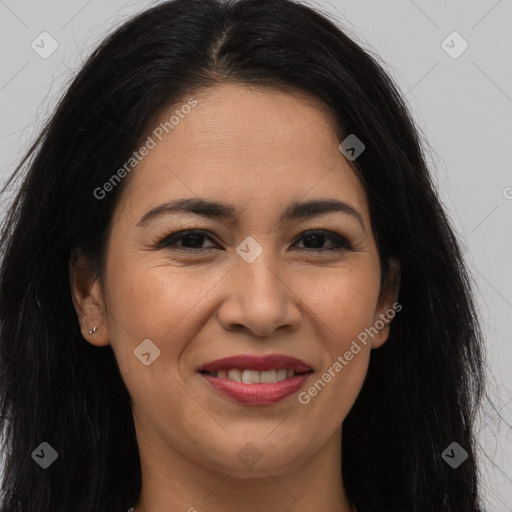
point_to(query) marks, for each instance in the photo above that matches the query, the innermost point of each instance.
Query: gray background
(463, 106)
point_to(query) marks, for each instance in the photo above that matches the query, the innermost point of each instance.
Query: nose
(260, 298)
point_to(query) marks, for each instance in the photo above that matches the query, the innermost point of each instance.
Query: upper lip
(259, 363)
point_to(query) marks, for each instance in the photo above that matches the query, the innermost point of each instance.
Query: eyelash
(341, 244)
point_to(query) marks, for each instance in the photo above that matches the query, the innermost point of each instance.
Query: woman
(265, 370)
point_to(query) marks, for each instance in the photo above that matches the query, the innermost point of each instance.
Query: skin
(258, 150)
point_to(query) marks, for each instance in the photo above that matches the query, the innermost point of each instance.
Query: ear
(387, 306)
(88, 299)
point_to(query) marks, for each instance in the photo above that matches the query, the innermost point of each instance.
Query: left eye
(193, 240)
(317, 239)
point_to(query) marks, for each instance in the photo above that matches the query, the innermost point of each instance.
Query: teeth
(254, 376)
(235, 375)
(268, 377)
(251, 377)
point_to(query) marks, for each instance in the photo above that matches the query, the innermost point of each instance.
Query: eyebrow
(218, 210)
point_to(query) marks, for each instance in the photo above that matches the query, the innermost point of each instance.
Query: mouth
(256, 380)
(254, 376)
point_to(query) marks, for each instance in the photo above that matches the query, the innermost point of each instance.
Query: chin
(258, 457)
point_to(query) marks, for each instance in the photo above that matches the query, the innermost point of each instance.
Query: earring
(92, 331)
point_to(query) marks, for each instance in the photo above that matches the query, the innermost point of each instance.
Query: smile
(256, 380)
(254, 376)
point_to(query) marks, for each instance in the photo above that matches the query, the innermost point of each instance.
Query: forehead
(256, 125)
(242, 142)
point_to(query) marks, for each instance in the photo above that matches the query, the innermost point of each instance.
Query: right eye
(192, 240)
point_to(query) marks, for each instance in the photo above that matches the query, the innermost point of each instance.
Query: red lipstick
(290, 371)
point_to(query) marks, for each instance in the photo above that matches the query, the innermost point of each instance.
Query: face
(283, 267)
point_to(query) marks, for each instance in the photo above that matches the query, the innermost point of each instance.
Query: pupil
(198, 238)
(318, 238)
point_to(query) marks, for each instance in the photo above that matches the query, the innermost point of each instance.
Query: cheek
(345, 308)
(158, 302)
(167, 306)
(344, 303)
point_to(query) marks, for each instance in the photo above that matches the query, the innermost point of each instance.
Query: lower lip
(257, 394)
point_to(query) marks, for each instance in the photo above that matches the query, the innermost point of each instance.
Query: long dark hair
(423, 386)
